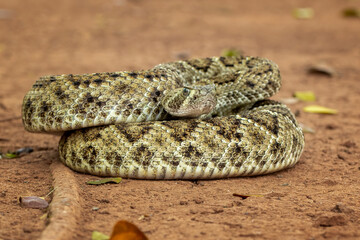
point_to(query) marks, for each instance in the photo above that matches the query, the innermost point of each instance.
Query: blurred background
(54, 37)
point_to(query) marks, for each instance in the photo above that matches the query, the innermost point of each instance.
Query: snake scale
(196, 119)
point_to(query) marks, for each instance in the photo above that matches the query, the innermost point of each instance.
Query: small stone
(329, 221)
(340, 156)
(238, 203)
(216, 210)
(341, 208)
(104, 212)
(192, 211)
(27, 230)
(95, 208)
(104, 201)
(198, 201)
(171, 218)
(144, 217)
(329, 182)
(331, 126)
(349, 144)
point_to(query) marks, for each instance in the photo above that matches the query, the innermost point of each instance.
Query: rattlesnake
(119, 124)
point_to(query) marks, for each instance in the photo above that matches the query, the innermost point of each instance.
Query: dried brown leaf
(351, 12)
(33, 202)
(124, 230)
(322, 68)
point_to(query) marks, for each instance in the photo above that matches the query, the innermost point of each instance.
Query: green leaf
(104, 181)
(10, 155)
(319, 109)
(231, 52)
(306, 96)
(303, 13)
(18, 153)
(95, 235)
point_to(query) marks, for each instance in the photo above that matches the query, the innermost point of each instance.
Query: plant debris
(351, 12)
(289, 101)
(124, 230)
(303, 13)
(323, 69)
(319, 109)
(306, 96)
(18, 153)
(95, 235)
(231, 52)
(104, 181)
(33, 202)
(306, 129)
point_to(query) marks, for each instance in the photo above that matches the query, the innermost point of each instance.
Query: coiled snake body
(197, 119)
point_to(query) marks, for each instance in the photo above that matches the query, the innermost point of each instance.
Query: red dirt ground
(316, 199)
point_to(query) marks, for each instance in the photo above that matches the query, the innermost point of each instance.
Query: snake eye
(186, 91)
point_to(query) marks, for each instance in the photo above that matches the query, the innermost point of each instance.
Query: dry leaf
(289, 101)
(143, 217)
(303, 13)
(322, 68)
(319, 109)
(306, 129)
(33, 202)
(351, 12)
(104, 181)
(124, 230)
(306, 96)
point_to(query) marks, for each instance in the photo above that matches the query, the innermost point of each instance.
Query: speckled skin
(146, 142)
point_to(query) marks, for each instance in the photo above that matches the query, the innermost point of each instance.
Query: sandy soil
(317, 199)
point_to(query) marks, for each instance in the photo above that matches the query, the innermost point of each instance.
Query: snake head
(190, 102)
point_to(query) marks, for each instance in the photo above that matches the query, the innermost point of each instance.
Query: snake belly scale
(124, 123)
